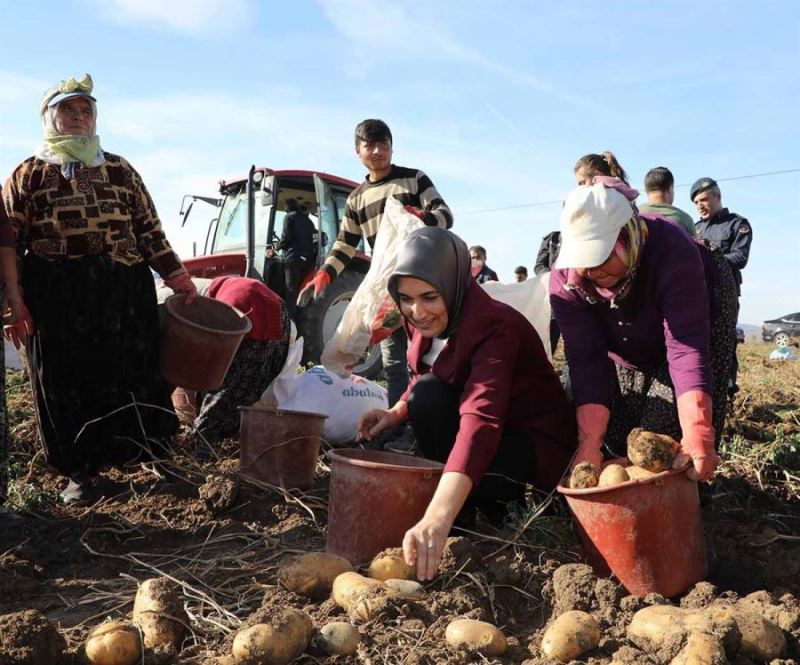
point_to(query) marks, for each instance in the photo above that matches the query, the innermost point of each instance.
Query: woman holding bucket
(89, 234)
(485, 399)
(647, 316)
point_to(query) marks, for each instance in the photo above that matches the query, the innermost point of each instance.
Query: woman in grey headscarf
(484, 399)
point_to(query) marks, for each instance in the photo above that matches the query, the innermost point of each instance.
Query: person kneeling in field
(484, 400)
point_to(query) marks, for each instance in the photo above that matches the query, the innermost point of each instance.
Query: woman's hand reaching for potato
(375, 421)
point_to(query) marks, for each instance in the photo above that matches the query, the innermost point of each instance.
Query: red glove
(315, 288)
(415, 211)
(183, 284)
(592, 424)
(694, 414)
(18, 331)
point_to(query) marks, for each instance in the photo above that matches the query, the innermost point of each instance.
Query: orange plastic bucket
(375, 497)
(647, 532)
(199, 341)
(280, 447)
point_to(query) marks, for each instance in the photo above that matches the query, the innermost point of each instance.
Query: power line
(559, 201)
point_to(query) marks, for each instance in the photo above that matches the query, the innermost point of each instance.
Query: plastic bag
(318, 390)
(370, 315)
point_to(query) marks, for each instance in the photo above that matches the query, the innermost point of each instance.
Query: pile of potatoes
(649, 453)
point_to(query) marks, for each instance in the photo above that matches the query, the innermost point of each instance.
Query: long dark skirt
(254, 367)
(647, 399)
(94, 363)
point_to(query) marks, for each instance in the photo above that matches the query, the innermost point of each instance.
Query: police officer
(726, 230)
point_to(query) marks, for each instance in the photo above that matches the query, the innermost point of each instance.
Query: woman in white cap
(646, 314)
(89, 235)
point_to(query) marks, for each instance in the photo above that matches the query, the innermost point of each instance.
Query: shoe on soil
(79, 491)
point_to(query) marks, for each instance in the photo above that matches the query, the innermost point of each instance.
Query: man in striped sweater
(362, 218)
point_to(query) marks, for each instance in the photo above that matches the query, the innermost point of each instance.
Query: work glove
(183, 284)
(314, 289)
(415, 211)
(18, 331)
(694, 414)
(592, 425)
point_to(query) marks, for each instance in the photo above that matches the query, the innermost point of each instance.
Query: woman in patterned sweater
(89, 234)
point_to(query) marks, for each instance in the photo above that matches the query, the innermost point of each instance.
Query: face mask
(477, 264)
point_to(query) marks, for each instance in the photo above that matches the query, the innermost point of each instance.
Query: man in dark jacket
(546, 261)
(727, 231)
(299, 251)
(480, 271)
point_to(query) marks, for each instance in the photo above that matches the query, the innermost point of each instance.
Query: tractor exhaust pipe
(250, 250)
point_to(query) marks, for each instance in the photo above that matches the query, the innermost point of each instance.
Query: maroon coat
(497, 360)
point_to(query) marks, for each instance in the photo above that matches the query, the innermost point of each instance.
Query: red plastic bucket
(199, 341)
(647, 532)
(375, 497)
(280, 447)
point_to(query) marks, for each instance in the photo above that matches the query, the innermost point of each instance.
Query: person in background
(480, 271)
(362, 218)
(520, 274)
(545, 260)
(591, 165)
(731, 234)
(659, 186)
(257, 362)
(646, 314)
(89, 235)
(299, 251)
(484, 400)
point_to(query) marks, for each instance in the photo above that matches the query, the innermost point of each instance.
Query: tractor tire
(318, 320)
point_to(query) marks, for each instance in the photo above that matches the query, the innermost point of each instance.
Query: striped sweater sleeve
(344, 247)
(437, 213)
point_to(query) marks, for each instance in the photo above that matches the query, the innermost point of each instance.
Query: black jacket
(297, 239)
(548, 253)
(732, 234)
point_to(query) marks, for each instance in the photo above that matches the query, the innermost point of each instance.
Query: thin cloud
(186, 16)
(17, 87)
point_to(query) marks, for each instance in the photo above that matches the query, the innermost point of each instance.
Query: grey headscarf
(440, 258)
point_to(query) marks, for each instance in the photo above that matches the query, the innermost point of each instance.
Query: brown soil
(223, 543)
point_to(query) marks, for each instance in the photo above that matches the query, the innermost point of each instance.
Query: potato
(158, 611)
(638, 473)
(657, 626)
(651, 451)
(312, 574)
(570, 635)
(279, 642)
(613, 474)
(114, 643)
(584, 475)
(476, 636)
(701, 649)
(762, 640)
(410, 589)
(390, 565)
(338, 638)
(348, 586)
(220, 660)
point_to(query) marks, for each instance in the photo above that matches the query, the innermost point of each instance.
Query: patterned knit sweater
(365, 206)
(105, 210)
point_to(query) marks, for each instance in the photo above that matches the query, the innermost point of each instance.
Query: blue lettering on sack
(321, 374)
(362, 392)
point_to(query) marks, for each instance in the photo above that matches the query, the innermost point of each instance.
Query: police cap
(701, 185)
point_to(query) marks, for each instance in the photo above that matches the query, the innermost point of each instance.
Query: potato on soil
(701, 649)
(158, 611)
(114, 643)
(279, 642)
(347, 587)
(651, 451)
(476, 636)
(613, 474)
(762, 640)
(638, 473)
(338, 638)
(390, 565)
(570, 635)
(584, 475)
(410, 589)
(220, 660)
(312, 574)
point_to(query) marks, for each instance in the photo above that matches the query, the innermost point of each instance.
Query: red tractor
(243, 239)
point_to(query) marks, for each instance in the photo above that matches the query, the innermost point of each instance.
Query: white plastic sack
(783, 353)
(318, 390)
(353, 334)
(530, 298)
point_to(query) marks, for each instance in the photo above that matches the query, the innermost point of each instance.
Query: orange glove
(694, 414)
(183, 284)
(18, 331)
(592, 425)
(315, 288)
(415, 211)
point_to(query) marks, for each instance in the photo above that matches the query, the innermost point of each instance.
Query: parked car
(782, 330)
(739, 335)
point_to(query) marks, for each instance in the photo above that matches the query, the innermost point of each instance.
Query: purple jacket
(666, 316)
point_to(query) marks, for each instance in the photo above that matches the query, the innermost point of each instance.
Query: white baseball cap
(590, 222)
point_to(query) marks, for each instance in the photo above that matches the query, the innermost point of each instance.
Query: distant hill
(751, 331)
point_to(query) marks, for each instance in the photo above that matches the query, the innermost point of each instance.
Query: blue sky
(495, 101)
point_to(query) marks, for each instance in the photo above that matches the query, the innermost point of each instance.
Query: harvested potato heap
(648, 452)
(158, 612)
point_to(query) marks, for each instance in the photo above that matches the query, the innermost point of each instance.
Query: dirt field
(223, 541)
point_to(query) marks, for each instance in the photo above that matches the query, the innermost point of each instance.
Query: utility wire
(553, 202)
